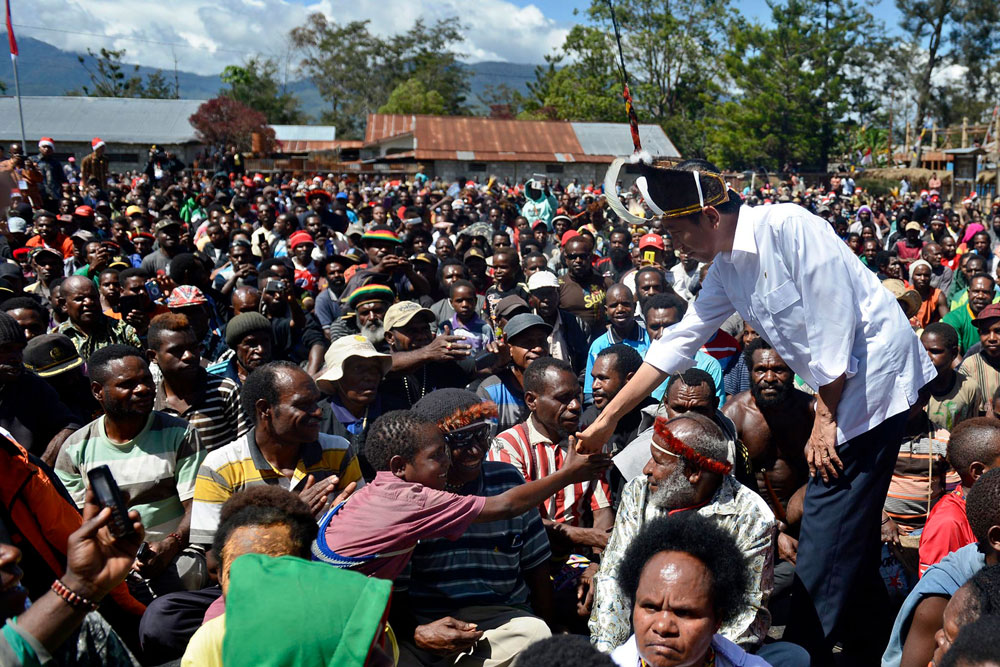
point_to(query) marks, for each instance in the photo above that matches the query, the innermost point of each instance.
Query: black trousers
(839, 549)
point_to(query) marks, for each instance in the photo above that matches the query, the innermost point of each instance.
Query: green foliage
(108, 78)
(255, 84)
(877, 187)
(794, 77)
(356, 71)
(412, 97)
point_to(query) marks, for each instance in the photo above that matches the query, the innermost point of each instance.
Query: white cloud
(215, 34)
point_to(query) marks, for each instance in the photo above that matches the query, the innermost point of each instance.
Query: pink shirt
(390, 515)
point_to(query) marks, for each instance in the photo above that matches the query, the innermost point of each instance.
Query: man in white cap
(95, 166)
(570, 336)
(52, 172)
(789, 276)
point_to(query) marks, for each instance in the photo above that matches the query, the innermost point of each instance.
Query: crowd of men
(344, 410)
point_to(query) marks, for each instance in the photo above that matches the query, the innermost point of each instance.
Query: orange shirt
(64, 244)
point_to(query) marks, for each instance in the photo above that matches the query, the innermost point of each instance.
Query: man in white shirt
(788, 275)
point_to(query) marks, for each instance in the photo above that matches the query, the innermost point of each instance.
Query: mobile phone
(153, 289)
(485, 359)
(108, 495)
(649, 256)
(274, 285)
(129, 302)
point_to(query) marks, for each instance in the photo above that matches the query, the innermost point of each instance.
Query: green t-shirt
(157, 468)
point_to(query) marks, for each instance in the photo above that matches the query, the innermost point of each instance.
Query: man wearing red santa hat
(94, 166)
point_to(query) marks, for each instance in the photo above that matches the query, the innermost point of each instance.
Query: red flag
(10, 33)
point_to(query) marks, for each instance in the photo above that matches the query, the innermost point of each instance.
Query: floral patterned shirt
(735, 508)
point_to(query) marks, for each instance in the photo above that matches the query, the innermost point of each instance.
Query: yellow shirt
(205, 647)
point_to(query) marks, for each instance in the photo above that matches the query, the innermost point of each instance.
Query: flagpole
(20, 112)
(12, 41)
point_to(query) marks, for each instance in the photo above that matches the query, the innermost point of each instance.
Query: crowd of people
(353, 419)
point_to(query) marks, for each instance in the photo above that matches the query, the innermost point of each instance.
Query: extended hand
(96, 561)
(446, 636)
(595, 436)
(585, 467)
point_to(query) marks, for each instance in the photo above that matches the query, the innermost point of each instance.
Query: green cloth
(289, 611)
(961, 320)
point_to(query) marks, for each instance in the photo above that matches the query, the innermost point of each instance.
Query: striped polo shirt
(486, 565)
(524, 447)
(157, 468)
(215, 412)
(240, 465)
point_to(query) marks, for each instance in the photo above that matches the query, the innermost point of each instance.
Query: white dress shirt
(820, 308)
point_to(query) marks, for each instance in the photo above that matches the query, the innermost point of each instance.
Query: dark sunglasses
(579, 255)
(469, 436)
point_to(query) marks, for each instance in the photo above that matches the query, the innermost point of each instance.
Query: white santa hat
(46, 141)
(96, 143)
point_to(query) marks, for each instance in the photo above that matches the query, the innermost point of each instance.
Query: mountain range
(44, 69)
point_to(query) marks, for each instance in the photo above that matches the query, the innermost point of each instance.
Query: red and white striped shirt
(524, 447)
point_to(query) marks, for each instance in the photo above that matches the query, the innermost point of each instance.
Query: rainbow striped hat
(381, 233)
(371, 292)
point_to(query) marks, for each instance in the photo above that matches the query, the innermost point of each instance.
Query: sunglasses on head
(476, 434)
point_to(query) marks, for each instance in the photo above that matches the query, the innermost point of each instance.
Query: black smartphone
(108, 495)
(485, 359)
(130, 302)
(274, 285)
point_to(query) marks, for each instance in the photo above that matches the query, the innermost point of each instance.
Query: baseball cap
(84, 211)
(509, 306)
(186, 295)
(343, 349)
(521, 323)
(134, 210)
(474, 252)
(167, 222)
(51, 354)
(540, 279)
(538, 222)
(300, 237)
(990, 312)
(42, 250)
(399, 314)
(355, 229)
(16, 225)
(651, 240)
(84, 235)
(913, 224)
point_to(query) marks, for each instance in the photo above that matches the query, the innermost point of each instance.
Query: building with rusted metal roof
(462, 148)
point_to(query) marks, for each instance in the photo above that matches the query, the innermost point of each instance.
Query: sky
(206, 35)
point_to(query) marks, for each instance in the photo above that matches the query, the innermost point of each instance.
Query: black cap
(51, 354)
(521, 323)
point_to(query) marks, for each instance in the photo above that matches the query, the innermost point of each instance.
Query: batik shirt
(734, 508)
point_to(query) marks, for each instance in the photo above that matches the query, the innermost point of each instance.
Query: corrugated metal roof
(304, 132)
(496, 140)
(311, 146)
(616, 139)
(116, 120)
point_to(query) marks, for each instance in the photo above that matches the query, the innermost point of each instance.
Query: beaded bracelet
(71, 598)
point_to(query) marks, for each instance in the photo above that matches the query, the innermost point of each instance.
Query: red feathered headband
(463, 417)
(667, 442)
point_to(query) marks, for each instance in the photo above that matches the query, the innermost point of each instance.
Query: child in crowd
(376, 529)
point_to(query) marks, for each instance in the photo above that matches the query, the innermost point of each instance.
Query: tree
(791, 81)
(356, 71)
(107, 76)
(586, 89)
(950, 32)
(411, 97)
(500, 101)
(223, 121)
(255, 84)
(157, 87)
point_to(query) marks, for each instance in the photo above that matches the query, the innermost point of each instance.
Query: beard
(766, 402)
(620, 258)
(374, 332)
(674, 492)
